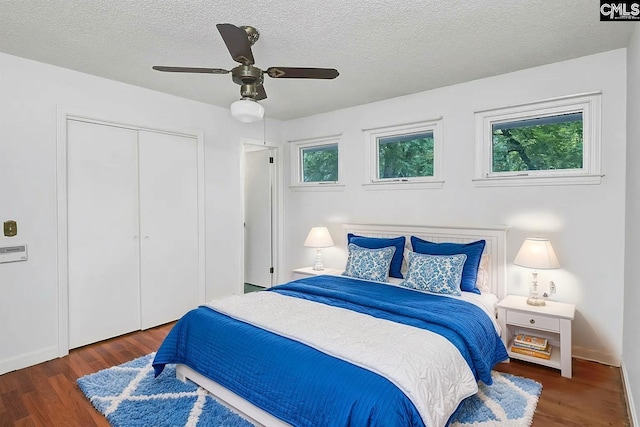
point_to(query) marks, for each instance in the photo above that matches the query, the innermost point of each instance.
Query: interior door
(103, 261)
(258, 216)
(168, 226)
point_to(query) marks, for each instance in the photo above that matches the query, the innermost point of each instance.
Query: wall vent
(13, 253)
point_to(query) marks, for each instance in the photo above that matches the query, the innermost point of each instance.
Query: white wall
(630, 342)
(584, 223)
(30, 93)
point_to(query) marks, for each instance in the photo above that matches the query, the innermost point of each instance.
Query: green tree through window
(320, 164)
(545, 143)
(405, 156)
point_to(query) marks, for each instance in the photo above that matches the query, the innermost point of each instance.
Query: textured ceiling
(382, 48)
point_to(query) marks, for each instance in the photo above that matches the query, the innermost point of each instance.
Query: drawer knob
(532, 321)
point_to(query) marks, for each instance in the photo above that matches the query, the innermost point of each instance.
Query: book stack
(531, 346)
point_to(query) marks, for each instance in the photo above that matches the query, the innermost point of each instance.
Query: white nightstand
(300, 273)
(551, 321)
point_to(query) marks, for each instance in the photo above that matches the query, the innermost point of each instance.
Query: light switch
(10, 228)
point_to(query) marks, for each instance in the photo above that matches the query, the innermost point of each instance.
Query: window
(545, 143)
(405, 156)
(320, 163)
(315, 163)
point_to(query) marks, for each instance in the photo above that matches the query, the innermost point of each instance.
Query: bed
(335, 350)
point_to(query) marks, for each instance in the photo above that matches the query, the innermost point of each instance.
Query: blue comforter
(306, 387)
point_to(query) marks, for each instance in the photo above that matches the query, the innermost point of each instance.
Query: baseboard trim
(28, 359)
(631, 409)
(595, 356)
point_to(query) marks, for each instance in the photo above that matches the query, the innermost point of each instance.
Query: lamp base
(534, 296)
(536, 300)
(318, 265)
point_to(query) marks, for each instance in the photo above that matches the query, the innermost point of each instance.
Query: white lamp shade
(247, 110)
(318, 237)
(537, 253)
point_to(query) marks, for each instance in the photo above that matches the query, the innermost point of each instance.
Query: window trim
(589, 104)
(296, 147)
(371, 136)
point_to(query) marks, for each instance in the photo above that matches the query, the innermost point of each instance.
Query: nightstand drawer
(533, 320)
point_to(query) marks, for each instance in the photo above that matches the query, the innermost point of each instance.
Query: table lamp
(537, 254)
(318, 237)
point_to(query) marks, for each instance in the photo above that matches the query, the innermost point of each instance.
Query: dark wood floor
(47, 394)
(594, 396)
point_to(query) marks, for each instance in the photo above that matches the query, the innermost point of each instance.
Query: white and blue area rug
(129, 396)
(509, 402)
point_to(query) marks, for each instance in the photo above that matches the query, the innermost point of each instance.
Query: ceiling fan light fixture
(247, 110)
(250, 78)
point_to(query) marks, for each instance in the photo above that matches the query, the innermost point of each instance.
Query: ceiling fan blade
(302, 73)
(190, 70)
(237, 42)
(262, 94)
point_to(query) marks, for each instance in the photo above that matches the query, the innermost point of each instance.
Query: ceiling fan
(250, 78)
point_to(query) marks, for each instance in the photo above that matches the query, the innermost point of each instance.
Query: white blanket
(425, 366)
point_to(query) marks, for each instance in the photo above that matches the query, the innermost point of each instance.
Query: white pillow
(482, 280)
(405, 262)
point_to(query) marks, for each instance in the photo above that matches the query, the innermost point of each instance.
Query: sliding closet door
(104, 295)
(168, 226)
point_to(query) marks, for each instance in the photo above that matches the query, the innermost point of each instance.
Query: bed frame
(496, 238)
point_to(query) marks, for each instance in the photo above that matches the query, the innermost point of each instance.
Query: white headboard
(496, 238)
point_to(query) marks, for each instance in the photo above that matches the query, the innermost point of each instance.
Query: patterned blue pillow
(382, 242)
(472, 250)
(369, 264)
(435, 273)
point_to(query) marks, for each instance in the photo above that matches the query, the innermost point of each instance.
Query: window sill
(403, 185)
(317, 187)
(522, 181)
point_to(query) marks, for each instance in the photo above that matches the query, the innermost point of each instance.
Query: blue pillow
(435, 273)
(472, 250)
(379, 242)
(369, 264)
